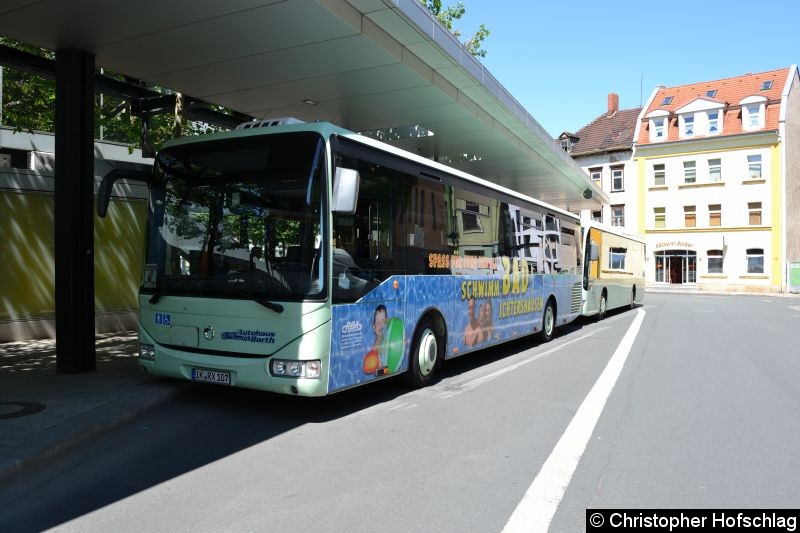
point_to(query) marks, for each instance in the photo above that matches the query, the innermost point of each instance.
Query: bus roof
(614, 230)
(326, 129)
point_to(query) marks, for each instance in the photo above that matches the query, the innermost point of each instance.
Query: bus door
(367, 338)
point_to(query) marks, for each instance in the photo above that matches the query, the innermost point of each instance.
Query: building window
(597, 216)
(667, 100)
(689, 172)
(713, 122)
(616, 259)
(755, 260)
(714, 169)
(660, 214)
(659, 175)
(715, 259)
(617, 179)
(714, 214)
(767, 85)
(658, 129)
(754, 166)
(617, 215)
(690, 216)
(596, 173)
(688, 125)
(754, 119)
(711, 93)
(754, 209)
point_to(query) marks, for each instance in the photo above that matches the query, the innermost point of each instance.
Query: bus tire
(603, 308)
(427, 349)
(548, 322)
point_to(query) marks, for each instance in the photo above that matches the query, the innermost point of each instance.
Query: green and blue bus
(302, 258)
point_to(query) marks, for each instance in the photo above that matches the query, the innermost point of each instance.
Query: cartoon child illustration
(472, 332)
(374, 360)
(486, 323)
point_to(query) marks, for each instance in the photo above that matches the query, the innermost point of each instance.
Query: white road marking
(536, 509)
(469, 385)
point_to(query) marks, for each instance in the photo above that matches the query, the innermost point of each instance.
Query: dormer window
(659, 122)
(713, 122)
(687, 125)
(753, 116)
(753, 112)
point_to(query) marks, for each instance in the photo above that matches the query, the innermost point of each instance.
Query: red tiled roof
(730, 91)
(607, 133)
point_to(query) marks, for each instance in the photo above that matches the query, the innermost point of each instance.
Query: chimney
(613, 103)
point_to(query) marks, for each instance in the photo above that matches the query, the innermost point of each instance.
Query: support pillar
(74, 211)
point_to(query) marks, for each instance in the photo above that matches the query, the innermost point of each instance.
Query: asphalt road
(705, 412)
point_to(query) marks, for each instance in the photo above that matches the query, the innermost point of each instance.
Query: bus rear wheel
(426, 350)
(548, 322)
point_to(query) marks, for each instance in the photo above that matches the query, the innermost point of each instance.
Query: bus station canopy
(386, 67)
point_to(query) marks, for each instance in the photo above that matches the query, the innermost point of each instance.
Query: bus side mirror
(345, 191)
(137, 173)
(594, 253)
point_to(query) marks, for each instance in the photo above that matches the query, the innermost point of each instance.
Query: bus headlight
(296, 369)
(147, 352)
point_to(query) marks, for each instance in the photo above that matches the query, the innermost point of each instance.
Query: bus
(305, 259)
(614, 264)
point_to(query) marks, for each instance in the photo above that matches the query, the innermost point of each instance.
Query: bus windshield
(238, 218)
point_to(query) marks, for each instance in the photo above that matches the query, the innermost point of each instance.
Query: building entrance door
(676, 266)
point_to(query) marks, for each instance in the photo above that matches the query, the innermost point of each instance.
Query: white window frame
(617, 173)
(658, 129)
(618, 215)
(596, 173)
(753, 116)
(659, 217)
(690, 172)
(617, 255)
(687, 126)
(659, 171)
(714, 209)
(755, 208)
(714, 123)
(715, 166)
(754, 163)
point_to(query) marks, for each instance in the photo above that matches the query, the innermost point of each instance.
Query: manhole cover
(17, 409)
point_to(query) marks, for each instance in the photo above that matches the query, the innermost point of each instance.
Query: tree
(29, 105)
(448, 15)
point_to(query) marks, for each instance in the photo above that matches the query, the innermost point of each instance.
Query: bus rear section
(613, 273)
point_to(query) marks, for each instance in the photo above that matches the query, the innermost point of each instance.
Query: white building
(604, 149)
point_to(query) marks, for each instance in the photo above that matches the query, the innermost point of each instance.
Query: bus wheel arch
(427, 350)
(549, 320)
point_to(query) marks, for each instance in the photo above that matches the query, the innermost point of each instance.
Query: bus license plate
(211, 376)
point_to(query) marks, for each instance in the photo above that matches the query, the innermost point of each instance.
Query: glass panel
(239, 218)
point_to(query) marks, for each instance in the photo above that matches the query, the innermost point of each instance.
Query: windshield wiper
(278, 308)
(175, 280)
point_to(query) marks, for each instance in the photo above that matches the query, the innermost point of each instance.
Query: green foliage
(448, 15)
(29, 105)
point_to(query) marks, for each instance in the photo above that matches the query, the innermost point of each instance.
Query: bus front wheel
(426, 349)
(548, 322)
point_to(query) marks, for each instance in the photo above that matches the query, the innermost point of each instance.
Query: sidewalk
(43, 413)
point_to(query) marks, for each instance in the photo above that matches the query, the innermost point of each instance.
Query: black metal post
(74, 212)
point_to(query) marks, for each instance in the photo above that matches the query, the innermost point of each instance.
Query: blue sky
(561, 59)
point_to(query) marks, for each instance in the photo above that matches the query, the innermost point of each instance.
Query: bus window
(365, 252)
